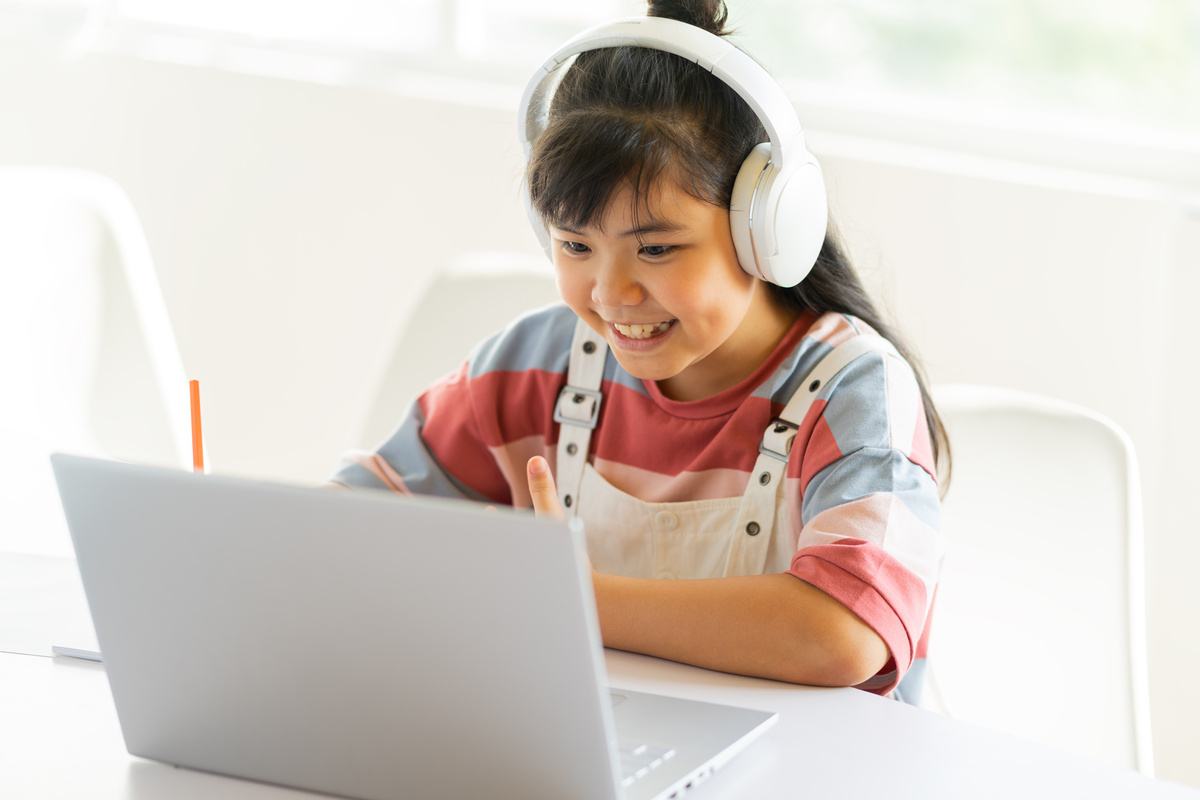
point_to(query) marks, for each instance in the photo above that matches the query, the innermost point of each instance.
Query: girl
(754, 462)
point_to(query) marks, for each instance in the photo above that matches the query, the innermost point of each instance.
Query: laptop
(367, 645)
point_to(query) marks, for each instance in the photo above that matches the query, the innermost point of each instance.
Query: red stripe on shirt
(461, 439)
(820, 448)
(522, 401)
(632, 419)
(876, 587)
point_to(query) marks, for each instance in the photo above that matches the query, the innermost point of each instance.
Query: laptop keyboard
(638, 761)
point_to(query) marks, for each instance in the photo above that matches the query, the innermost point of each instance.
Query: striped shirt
(860, 481)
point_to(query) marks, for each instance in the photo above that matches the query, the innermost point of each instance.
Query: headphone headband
(777, 210)
(715, 54)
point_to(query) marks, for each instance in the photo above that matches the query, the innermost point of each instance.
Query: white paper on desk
(42, 604)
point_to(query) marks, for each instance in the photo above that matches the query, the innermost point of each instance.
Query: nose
(615, 285)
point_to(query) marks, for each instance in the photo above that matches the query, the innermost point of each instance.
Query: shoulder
(539, 340)
(880, 377)
(816, 337)
(874, 401)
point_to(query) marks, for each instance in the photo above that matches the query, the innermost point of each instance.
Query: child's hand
(544, 493)
(542, 489)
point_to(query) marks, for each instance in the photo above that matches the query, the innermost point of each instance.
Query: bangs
(586, 157)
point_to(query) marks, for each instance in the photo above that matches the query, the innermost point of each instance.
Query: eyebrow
(638, 232)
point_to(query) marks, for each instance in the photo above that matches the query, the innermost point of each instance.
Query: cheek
(721, 296)
(569, 285)
(738, 288)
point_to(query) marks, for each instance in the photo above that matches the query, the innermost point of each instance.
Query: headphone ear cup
(797, 222)
(780, 215)
(744, 186)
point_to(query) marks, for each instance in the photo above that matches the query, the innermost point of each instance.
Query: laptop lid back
(359, 644)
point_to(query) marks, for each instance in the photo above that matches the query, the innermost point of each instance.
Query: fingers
(542, 490)
(544, 493)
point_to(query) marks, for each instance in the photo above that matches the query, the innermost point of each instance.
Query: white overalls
(747, 535)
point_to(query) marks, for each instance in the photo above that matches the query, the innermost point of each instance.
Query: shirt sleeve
(407, 463)
(866, 505)
(470, 434)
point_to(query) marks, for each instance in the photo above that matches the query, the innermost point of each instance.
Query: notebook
(367, 645)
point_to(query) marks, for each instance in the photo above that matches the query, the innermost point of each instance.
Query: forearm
(770, 626)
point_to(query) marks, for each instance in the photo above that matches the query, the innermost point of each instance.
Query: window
(1135, 61)
(410, 26)
(1100, 64)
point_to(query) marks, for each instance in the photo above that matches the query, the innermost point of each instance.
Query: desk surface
(59, 738)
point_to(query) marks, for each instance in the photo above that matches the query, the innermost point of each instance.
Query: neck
(761, 331)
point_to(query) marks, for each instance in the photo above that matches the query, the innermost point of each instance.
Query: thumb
(542, 490)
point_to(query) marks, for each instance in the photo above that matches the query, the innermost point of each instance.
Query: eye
(574, 248)
(658, 250)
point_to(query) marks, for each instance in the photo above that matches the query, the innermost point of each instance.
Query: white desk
(59, 738)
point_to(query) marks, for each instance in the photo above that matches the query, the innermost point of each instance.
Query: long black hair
(628, 116)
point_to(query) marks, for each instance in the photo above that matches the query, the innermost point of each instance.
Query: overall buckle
(777, 441)
(580, 407)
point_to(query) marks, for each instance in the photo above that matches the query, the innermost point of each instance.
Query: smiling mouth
(642, 331)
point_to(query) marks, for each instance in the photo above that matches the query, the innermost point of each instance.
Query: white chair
(1039, 625)
(87, 353)
(471, 297)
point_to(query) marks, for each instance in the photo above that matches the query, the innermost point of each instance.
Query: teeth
(642, 331)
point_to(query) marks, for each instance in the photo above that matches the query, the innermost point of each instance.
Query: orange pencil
(197, 439)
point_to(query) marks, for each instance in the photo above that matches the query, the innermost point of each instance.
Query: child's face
(675, 307)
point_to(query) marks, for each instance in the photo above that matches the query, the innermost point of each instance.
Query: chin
(643, 371)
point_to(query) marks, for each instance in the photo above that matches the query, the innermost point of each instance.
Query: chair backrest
(1038, 629)
(471, 297)
(87, 352)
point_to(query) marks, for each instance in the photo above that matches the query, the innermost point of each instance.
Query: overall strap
(752, 537)
(577, 410)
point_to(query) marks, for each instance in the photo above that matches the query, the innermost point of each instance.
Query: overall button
(665, 520)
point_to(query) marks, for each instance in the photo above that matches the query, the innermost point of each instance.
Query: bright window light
(1137, 61)
(1134, 62)
(513, 31)
(404, 25)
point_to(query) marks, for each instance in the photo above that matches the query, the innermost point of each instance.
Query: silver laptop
(367, 645)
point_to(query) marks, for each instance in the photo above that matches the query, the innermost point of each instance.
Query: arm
(770, 626)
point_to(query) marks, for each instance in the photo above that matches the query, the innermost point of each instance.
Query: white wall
(1076, 288)
(294, 227)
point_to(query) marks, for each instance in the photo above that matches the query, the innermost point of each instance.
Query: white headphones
(778, 211)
